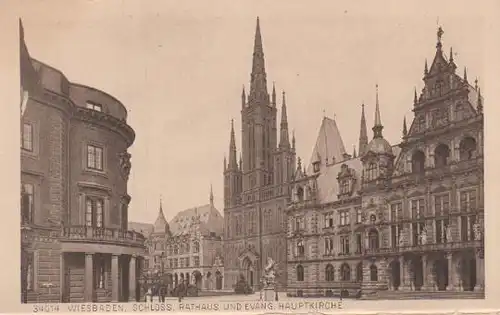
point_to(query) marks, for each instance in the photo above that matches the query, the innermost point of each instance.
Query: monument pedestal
(269, 293)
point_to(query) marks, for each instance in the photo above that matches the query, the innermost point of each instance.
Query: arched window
(329, 273)
(188, 248)
(441, 155)
(300, 248)
(300, 273)
(371, 171)
(196, 247)
(373, 273)
(345, 272)
(359, 272)
(418, 162)
(373, 239)
(176, 250)
(169, 250)
(467, 148)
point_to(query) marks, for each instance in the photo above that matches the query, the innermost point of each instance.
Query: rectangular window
(358, 243)
(299, 223)
(93, 106)
(417, 208)
(441, 226)
(359, 215)
(344, 217)
(99, 271)
(94, 157)
(468, 201)
(328, 246)
(27, 143)
(27, 203)
(94, 212)
(196, 261)
(417, 229)
(344, 186)
(329, 220)
(442, 205)
(344, 241)
(396, 211)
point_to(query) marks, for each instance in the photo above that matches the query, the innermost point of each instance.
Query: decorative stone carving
(477, 231)
(449, 237)
(125, 164)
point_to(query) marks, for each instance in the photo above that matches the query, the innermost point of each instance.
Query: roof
(328, 187)
(329, 145)
(160, 225)
(144, 228)
(209, 218)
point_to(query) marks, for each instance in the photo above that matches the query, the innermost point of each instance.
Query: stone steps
(423, 295)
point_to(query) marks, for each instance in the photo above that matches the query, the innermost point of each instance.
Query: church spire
(479, 101)
(232, 150)
(405, 130)
(258, 82)
(284, 141)
(211, 196)
(243, 97)
(363, 135)
(377, 126)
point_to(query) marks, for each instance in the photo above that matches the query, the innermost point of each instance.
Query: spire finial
(324, 113)
(293, 139)
(476, 84)
(363, 134)
(232, 149)
(284, 140)
(211, 195)
(426, 69)
(479, 101)
(354, 155)
(405, 130)
(465, 75)
(439, 36)
(415, 96)
(274, 95)
(377, 126)
(258, 81)
(451, 54)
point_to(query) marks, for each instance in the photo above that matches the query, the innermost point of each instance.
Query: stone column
(404, 284)
(89, 277)
(132, 279)
(62, 277)
(479, 270)
(449, 257)
(426, 276)
(115, 290)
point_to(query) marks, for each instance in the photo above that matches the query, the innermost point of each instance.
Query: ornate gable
(346, 180)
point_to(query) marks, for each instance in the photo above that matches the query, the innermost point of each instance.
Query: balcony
(437, 247)
(89, 234)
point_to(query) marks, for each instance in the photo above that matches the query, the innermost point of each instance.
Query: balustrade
(95, 234)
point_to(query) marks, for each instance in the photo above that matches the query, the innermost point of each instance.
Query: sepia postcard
(256, 157)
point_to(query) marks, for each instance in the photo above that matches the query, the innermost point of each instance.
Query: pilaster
(114, 278)
(479, 270)
(62, 278)
(132, 279)
(451, 271)
(89, 277)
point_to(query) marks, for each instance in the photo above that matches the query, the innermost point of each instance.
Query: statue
(402, 238)
(423, 237)
(448, 234)
(125, 164)
(477, 231)
(269, 275)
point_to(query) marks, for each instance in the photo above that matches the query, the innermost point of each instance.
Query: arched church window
(467, 148)
(441, 155)
(418, 162)
(329, 273)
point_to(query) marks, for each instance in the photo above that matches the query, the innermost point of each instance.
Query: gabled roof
(329, 144)
(328, 186)
(144, 228)
(209, 218)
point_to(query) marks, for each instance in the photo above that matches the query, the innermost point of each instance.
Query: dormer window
(344, 186)
(371, 171)
(94, 106)
(316, 166)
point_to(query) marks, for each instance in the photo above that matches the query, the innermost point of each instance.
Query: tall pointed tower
(258, 119)
(257, 190)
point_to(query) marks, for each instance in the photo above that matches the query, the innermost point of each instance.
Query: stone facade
(408, 217)
(74, 201)
(257, 188)
(188, 249)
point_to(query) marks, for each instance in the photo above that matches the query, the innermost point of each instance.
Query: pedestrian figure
(162, 293)
(180, 291)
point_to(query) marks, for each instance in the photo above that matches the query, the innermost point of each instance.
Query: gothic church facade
(257, 187)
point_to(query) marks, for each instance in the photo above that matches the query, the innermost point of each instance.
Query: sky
(179, 67)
